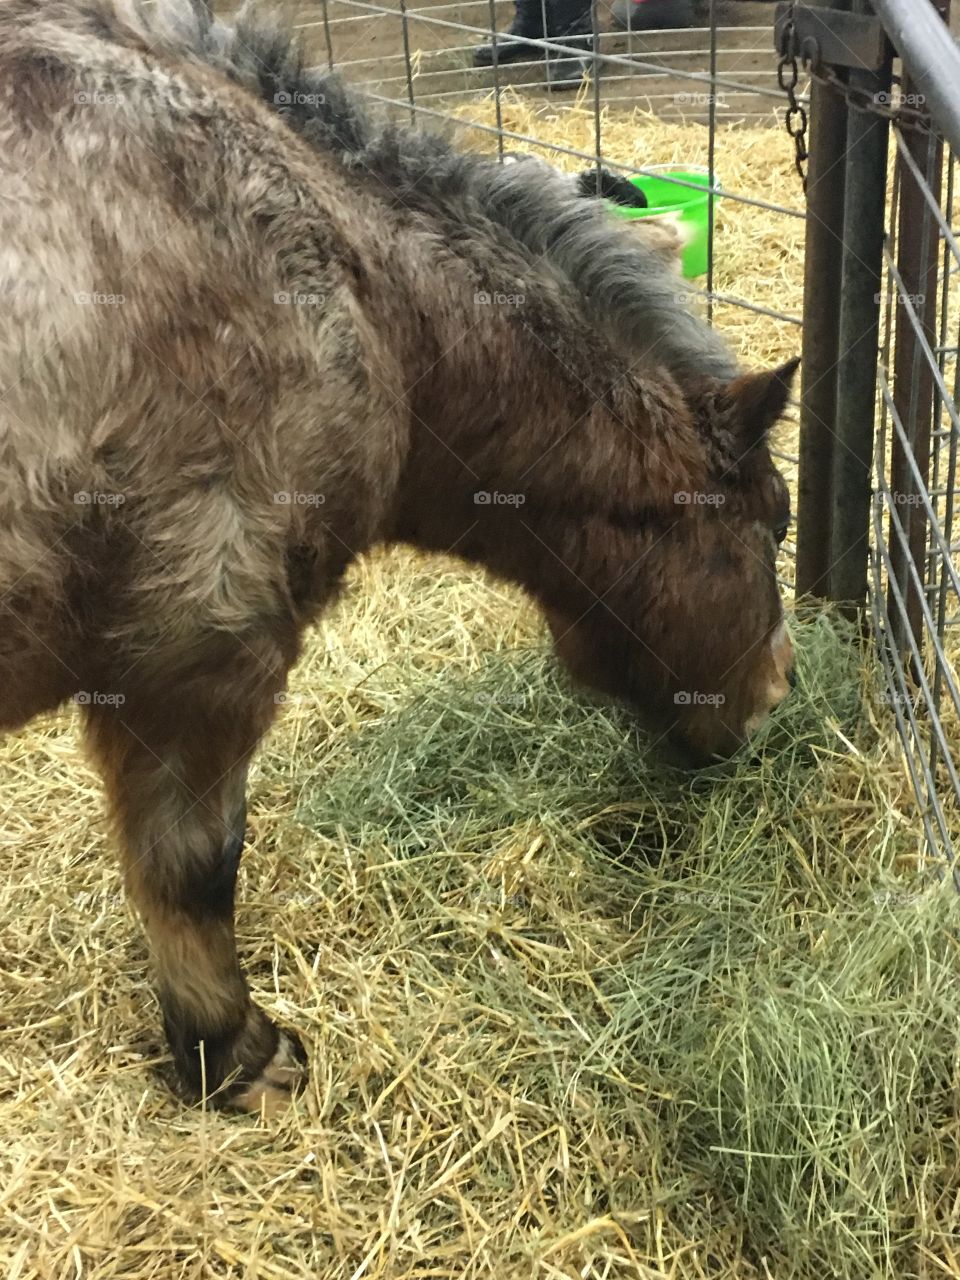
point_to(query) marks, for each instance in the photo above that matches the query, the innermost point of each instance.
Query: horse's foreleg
(176, 783)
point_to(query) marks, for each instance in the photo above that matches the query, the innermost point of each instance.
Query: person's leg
(652, 15)
(573, 26)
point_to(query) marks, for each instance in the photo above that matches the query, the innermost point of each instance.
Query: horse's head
(693, 635)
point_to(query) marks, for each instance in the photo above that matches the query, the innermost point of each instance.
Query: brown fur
(186, 397)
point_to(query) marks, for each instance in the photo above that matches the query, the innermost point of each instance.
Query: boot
(564, 17)
(527, 24)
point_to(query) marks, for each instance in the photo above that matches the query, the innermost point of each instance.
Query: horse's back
(191, 391)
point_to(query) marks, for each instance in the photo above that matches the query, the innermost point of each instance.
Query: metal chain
(788, 77)
(858, 99)
(882, 105)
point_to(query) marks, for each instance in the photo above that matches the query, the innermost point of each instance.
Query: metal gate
(874, 110)
(879, 418)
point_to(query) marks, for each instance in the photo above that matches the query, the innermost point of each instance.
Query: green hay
(773, 1025)
(477, 753)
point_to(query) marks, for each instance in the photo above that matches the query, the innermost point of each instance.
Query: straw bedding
(570, 1015)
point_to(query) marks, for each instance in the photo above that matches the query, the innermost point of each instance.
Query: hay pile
(570, 1015)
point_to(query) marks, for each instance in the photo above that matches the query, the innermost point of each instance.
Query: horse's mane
(630, 292)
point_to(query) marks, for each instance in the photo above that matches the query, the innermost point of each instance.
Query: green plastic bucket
(687, 207)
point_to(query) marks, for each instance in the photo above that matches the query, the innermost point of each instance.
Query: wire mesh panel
(427, 52)
(915, 587)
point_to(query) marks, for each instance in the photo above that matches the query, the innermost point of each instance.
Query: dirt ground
(366, 40)
(369, 49)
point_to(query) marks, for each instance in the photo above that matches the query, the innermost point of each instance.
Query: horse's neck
(518, 451)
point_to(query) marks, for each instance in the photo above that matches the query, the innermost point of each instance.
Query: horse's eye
(780, 532)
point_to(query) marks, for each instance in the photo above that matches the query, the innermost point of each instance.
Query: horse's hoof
(273, 1089)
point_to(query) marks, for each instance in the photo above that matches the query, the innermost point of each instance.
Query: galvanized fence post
(918, 245)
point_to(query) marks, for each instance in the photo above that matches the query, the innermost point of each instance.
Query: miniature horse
(246, 336)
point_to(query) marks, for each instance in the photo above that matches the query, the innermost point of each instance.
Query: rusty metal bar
(864, 217)
(821, 336)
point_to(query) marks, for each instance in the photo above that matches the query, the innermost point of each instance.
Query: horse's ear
(759, 399)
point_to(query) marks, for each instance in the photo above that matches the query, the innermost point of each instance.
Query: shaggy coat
(246, 335)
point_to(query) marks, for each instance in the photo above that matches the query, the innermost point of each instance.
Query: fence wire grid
(914, 583)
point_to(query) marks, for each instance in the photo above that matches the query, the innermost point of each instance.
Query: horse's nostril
(792, 677)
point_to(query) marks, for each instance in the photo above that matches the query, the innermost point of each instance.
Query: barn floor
(569, 1016)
